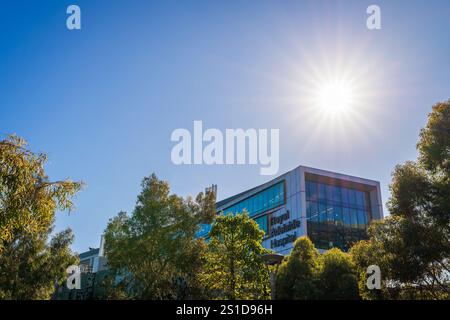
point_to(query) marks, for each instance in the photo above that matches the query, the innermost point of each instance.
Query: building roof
(89, 253)
(229, 199)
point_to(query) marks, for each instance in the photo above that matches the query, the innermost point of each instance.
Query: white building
(332, 209)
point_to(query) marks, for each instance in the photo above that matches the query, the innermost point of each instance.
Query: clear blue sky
(103, 101)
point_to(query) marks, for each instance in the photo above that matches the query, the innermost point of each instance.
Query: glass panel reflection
(337, 216)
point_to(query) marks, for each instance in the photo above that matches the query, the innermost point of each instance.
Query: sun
(335, 97)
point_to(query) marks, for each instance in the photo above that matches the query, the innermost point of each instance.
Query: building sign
(279, 227)
(283, 241)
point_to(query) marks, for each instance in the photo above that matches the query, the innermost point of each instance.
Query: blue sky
(103, 101)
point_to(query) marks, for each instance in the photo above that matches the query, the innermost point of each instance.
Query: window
(330, 214)
(329, 192)
(308, 189)
(345, 196)
(314, 209)
(346, 217)
(322, 213)
(354, 218)
(322, 192)
(337, 194)
(360, 199)
(267, 199)
(262, 222)
(362, 221)
(352, 197)
(336, 215)
(203, 230)
(313, 193)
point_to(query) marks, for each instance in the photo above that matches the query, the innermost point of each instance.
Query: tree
(412, 245)
(363, 254)
(298, 273)
(29, 265)
(338, 276)
(234, 268)
(305, 274)
(153, 254)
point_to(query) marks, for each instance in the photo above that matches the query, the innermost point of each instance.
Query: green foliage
(234, 268)
(338, 277)
(153, 253)
(30, 265)
(363, 254)
(412, 246)
(434, 143)
(298, 273)
(305, 274)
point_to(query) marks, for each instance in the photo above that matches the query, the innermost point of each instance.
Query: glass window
(255, 205)
(308, 190)
(362, 221)
(308, 209)
(203, 230)
(330, 215)
(271, 197)
(338, 215)
(354, 218)
(276, 196)
(262, 222)
(313, 191)
(259, 197)
(281, 192)
(322, 213)
(345, 196)
(337, 197)
(329, 191)
(346, 217)
(314, 211)
(366, 200)
(265, 200)
(334, 226)
(352, 197)
(322, 192)
(360, 199)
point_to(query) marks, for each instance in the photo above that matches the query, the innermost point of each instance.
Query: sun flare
(334, 97)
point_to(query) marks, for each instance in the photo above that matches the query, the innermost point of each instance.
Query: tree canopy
(154, 253)
(234, 268)
(30, 265)
(412, 245)
(305, 274)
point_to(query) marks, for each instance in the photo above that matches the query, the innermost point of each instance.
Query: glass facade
(262, 222)
(267, 199)
(337, 216)
(263, 201)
